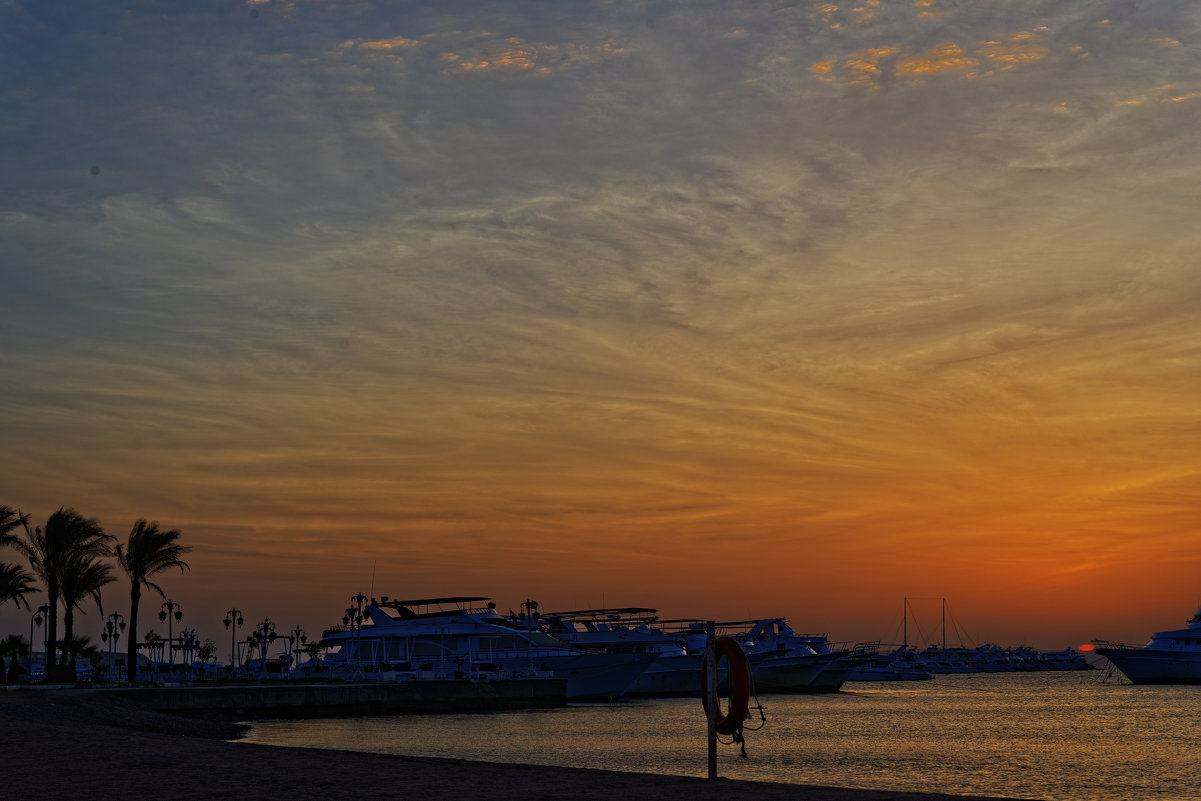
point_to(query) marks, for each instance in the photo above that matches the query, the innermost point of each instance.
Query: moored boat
(1170, 657)
(465, 636)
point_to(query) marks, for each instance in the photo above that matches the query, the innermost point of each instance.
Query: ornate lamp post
(356, 613)
(170, 609)
(233, 621)
(264, 633)
(36, 618)
(296, 638)
(113, 626)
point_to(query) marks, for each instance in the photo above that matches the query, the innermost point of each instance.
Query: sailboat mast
(905, 623)
(944, 622)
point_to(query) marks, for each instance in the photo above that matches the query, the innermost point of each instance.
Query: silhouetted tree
(149, 551)
(82, 647)
(10, 519)
(82, 577)
(66, 536)
(13, 646)
(15, 581)
(15, 584)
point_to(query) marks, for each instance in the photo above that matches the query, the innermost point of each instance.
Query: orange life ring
(740, 695)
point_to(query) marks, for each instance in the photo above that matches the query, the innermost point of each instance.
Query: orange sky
(777, 309)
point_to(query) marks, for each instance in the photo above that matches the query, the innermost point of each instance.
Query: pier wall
(242, 701)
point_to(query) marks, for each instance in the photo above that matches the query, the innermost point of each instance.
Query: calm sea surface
(1070, 736)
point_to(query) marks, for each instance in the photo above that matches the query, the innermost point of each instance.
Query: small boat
(950, 660)
(1067, 659)
(1170, 657)
(902, 664)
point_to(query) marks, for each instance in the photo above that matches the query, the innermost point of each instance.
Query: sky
(731, 309)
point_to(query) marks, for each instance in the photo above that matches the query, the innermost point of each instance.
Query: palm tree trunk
(131, 656)
(51, 631)
(67, 662)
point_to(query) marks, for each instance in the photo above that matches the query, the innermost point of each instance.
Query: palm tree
(15, 584)
(81, 646)
(12, 646)
(82, 577)
(149, 551)
(9, 520)
(67, 535)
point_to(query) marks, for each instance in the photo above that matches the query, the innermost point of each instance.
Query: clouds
(604, 274)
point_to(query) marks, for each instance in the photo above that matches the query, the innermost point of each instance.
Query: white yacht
(902, 664)
(821, 667)
(1171, 657)
(464, 637)
(780, 660)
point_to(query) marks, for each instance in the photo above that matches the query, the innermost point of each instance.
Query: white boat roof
(614, 612)
(458, 599)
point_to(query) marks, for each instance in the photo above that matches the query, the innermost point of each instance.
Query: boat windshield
(543, 640)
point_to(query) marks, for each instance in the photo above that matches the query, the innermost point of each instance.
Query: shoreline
(66, 743)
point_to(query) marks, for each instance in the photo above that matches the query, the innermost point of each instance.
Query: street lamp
(297, 638)
(264, 633)
(113, 626)
(164, 616)
(233, 621)
(44, 609)
(355, 615)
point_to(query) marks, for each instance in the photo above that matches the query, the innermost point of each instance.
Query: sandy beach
(79, 744)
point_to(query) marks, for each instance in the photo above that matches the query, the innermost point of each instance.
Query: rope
(738, 736)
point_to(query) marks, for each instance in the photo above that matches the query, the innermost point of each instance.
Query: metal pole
(711, 675)
(944, 622)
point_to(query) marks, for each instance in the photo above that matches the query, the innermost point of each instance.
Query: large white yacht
(464, 636)
(780, 660)
(1171, 657)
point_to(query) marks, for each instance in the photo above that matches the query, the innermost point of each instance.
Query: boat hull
(676, 676)
(1154, 666)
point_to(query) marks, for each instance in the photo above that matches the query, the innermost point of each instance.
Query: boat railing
(532, 654)
(1116, 646)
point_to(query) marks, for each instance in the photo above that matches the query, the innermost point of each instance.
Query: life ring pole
(711, 688)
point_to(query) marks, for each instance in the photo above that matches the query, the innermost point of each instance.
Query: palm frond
(151, 550)
(15, 584)
(9, 519)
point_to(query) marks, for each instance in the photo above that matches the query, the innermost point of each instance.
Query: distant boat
(902, 664)
(1171, 657)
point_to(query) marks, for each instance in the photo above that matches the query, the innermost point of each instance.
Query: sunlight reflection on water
(1055, 736)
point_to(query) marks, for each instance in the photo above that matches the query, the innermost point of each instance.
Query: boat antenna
(372, 592)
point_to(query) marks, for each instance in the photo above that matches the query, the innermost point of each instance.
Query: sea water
(1069, 736)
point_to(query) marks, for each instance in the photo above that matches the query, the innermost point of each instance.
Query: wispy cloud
(850, 282)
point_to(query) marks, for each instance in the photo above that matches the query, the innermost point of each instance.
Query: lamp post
(113, 626)
(264, 633)
(355, 615)
(233, 621)
(44, 609)
(168, 610)
(297, 638)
